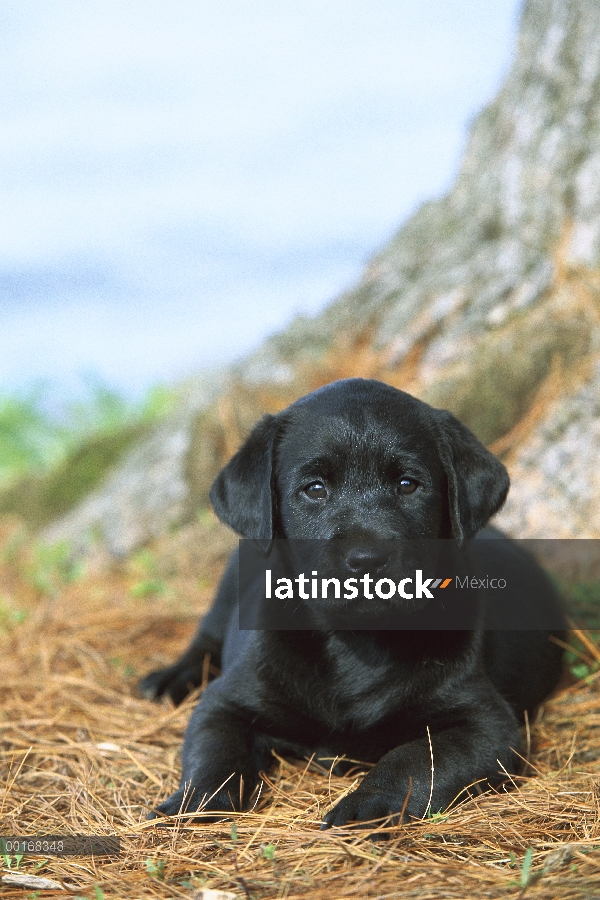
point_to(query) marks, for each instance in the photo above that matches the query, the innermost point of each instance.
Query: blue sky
(179, 179)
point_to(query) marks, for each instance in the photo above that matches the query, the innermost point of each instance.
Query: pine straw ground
(83, 754)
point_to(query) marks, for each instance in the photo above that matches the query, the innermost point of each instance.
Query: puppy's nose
(367, 559)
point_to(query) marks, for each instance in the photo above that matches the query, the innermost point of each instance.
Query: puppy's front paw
(191, 799)
(176, 803)
(365, 806)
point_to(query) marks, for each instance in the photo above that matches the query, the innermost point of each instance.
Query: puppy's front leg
(479, 748)
(220, 759)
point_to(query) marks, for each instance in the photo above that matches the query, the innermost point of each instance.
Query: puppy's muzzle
(360, 560)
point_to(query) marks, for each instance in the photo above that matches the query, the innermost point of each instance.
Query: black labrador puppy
(362, 461)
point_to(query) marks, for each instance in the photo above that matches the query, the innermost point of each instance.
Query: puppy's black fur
(362, 461)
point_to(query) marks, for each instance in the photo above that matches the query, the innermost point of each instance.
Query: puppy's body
(361, 462)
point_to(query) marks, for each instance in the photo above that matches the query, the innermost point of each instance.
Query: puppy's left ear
(477, 482)
(242, 494)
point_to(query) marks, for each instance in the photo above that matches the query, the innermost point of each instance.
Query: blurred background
(178, 180)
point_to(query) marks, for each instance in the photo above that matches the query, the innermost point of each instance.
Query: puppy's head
(363, 461)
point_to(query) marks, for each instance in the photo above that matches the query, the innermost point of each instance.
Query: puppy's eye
(407, 485)
(316, 491)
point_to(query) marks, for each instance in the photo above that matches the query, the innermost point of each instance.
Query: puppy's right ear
(243, 494)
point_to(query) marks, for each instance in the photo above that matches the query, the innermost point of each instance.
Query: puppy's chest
(358, 694)
(344, 691)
